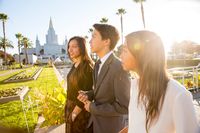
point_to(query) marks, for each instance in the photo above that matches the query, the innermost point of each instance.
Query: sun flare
(177, 21)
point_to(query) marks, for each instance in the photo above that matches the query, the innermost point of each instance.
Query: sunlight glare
(176, 21)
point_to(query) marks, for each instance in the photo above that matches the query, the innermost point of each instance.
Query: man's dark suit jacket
(110, 97)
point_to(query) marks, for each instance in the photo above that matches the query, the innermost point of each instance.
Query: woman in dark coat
(79, 78)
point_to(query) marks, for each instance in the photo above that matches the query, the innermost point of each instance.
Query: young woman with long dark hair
(79, 78)
(158, 104)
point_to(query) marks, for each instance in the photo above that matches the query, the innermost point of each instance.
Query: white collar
(105, 57)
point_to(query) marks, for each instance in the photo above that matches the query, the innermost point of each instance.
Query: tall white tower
(51, 37)
(37, 43)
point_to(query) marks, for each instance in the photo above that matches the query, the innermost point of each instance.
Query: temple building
(51, 50)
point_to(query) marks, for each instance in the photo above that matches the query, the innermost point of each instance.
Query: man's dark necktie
(96, 69)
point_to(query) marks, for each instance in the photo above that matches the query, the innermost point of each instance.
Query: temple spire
(50, 23)
(51, 37)
(37, 42)
(37, 37)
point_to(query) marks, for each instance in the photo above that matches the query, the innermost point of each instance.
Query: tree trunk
(121, 19)
(142, 11)
(26, 55)
(19, 54)
(4, 43)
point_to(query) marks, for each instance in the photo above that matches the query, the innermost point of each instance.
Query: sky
(173, 20)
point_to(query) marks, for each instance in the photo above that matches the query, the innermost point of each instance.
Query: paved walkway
(57, 129)
(9, 72)
(52, 129)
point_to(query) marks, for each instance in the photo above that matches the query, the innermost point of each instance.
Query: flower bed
(13, 94)
(29, 74)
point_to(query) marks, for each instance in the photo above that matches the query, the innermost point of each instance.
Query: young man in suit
(109, 99)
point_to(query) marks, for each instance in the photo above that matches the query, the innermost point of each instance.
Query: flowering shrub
(52, 106)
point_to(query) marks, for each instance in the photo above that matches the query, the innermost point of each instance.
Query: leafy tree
(9, 57)
(4, 44)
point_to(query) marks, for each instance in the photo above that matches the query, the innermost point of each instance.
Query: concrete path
(57, 129)
(52, 129)
(9, 72)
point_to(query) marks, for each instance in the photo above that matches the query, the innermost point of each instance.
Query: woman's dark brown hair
(148, 49)
(86, 61)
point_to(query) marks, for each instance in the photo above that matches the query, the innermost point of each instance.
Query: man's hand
(82, 97)
(87, 106)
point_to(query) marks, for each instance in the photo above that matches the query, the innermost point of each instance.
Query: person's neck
(77, 62)
(102, 53)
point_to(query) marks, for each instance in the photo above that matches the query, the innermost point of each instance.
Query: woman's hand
(73, 116)
(124, 130)
(87, 105)
(75, 112)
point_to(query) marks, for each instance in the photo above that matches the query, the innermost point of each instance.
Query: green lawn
(2, 78)
(4, 71)
(11, 114)
(29, 72)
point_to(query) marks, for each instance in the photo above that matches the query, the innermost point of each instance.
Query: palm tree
(104, 20)
(121, 12)
(86, 37)
(26, 43)
(142, 9)
(90, 30)
(19, 37)
(6, 43)
(3, 18)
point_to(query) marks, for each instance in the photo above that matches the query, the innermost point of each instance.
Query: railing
(186, 72)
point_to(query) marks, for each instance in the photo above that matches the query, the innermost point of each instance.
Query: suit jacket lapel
(103, 73)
